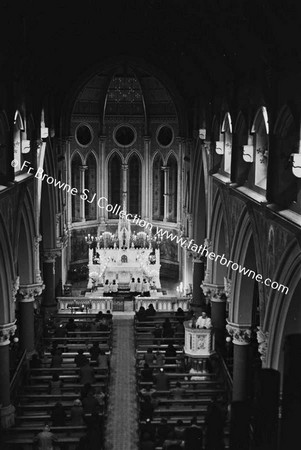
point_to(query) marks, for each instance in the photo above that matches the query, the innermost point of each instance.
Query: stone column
(166, 193)
(197, 278)
(7, 410)
(26, 314)
(49, 301)
(216, 295)
(241, 336)
(82, 170)
(102, 179)
(125, 169)
(146, 187)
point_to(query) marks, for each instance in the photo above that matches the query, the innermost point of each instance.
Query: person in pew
(171, 353)
(149, 356)
(57, 359)
(146, 408)
(168, 331)
(163, 430)
(180, 313)
(193, 436)
(94, 351)
(150, 312)
(55, 385)
(157, 333)
(162, 381)
(148, 427)
(87, 387)
(147, 391)
(90, 405)
(109, 317)
(103, 326)
(60, 332)
(86, 374)
(147, 373)
(77, 413)
(179, 430)
(141, 314)
(146, 442)
(214, 423)
(71, 325)
(80, 359)
(100, 397)
(171, 442)
(179, 328)
(178, 391)
(103, 360)
(160, 359)
(45, 439)
(58, 415)
(35, 362)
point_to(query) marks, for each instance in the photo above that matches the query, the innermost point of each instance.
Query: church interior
(150, 225)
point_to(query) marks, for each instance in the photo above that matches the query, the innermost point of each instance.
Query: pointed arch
(134, 183)
(169, 154)
(158, 186)
(115, 179)
(133, 152)
(77, 153)
(7, 275)
(91, 185)
(76, 164)
(285, 121)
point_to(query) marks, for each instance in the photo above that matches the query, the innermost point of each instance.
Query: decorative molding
(240, 334)
(6, 331)
(15, 287)
(214, 292)
(50, 254)
(262, 339)
(30, 291)
(227, 287)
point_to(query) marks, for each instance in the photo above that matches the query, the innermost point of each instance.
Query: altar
(122, 265)
(122, 256)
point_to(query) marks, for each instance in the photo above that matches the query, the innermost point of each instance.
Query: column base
(7, 414)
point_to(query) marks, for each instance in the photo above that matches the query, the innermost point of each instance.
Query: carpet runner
(122, 423)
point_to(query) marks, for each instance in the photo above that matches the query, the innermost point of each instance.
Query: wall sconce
(202, 133)
(219, 147)
(248, 152)
(296, 164)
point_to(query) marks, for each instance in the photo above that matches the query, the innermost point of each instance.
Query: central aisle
(122, 424)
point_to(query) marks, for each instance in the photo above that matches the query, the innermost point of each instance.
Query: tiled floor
(122, 425)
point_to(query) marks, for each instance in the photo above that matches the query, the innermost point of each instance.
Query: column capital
(227, 287)
(50, 254)
(146, 138)
(215, 292)
(240, 334)
(102, 138)
(6, 331)
(30, 291)
(82, 168)
(262, 339)
(165, 168)
(125, 166)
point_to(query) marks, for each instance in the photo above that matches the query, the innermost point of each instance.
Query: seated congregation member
(100, 397)
(162, 381)
(55, 385)
(94, 351)
(35, 362)
(147, 373)
(203, 321)
(150, 310)
(77, 413)
(45, 439)
(167, 329)
(147, 391)
(171, 353)
(80, 359)
(149, 356)
(193, 436)
(86, 389)
(179, 429)
(109, 316)
(171, 442)
(160, 359)
(179, 328)
(103, 360)
(147, 443)
(103, 325)
(106, 288)
(146, 408)
(140, 315)
(57, 359)
(158, 332)
(58, 415)
(71, 326)
(145, 288)
(90, 404)
(138, 287)
(87, 374)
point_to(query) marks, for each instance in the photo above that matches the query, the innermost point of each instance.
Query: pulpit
(199, 342)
